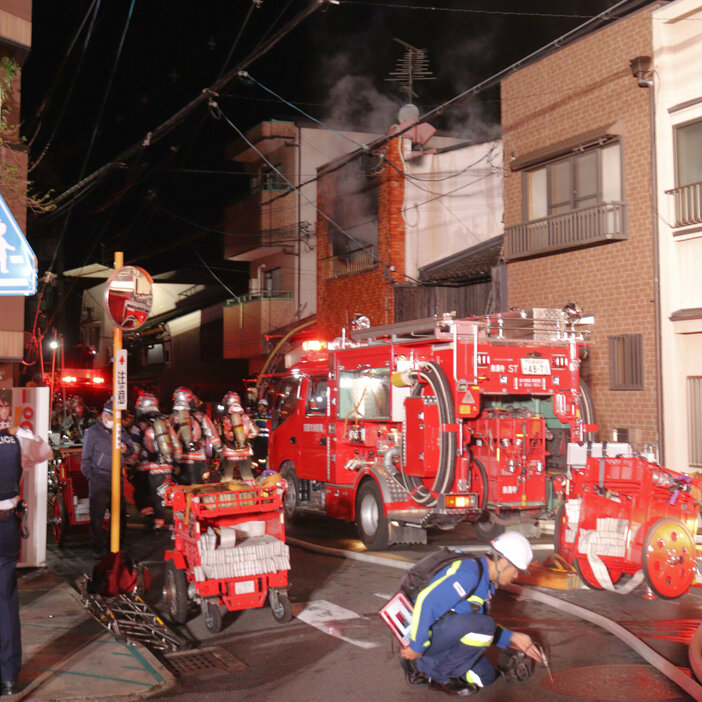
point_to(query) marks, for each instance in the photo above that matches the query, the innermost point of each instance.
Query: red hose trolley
(229, 550)
(67, 493)
(622, 514)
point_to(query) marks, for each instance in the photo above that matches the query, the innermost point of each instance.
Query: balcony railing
(350, 263)
(260, 295)
(688, 204)
(589, 225)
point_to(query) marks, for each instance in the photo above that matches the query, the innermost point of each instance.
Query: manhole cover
(609, 683)
(202, 660)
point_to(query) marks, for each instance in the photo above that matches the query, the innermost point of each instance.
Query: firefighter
(450, 632)
(159, 449)
(96, 466)
(77, 420)
(237, 430)
(260, 441)
(197, 436)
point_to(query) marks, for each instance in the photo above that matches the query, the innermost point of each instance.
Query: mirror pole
(115, 513)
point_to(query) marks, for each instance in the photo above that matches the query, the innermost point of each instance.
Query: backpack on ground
(420, 574)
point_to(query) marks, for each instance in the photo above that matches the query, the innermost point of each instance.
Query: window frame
(571, 157)
(626, 373)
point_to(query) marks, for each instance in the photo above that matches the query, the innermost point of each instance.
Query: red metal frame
(226, 509)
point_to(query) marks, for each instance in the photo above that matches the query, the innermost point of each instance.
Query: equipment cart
(623, 514)
(229, 550)
(67, 493)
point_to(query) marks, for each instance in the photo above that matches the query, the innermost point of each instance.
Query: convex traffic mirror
(128, 297)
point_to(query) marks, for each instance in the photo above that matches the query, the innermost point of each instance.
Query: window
(285, 401)
(626, 362)
(271, 178)
(575, 182)
(364, 394)
(317, 396)
(694, 420)
(272, 281)
(688, 146)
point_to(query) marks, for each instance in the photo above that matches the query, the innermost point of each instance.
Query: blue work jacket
(447, 591)
(96, 454)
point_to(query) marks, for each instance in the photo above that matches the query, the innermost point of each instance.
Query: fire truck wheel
(213, 618)
(486, 531)
(588, 577)
(175, 592)
(280, 607)
(371, 521)
(669, 558)
(291, 496)
(59, 519)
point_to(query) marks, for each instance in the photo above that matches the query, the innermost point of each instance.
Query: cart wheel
(588, 577)
(58, 519)
(559, 532)
(669, 558)
(175, 592)
(280, 607)
(371, 521)
(291, 497)
(213, 618)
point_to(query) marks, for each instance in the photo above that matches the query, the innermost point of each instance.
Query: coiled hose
(435, 377)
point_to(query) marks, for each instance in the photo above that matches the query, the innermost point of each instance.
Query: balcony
(582, 227)
(349, 263)
(688, 204)
(248, 318)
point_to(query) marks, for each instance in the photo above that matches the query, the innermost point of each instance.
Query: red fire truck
(433, 422)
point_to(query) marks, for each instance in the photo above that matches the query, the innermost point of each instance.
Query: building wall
(571, 92)
(677, 31)
(453, 201)
(369, 293)
(15, 41)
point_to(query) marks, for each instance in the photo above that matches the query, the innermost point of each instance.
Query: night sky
(162, 206)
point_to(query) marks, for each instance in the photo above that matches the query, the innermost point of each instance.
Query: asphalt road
(336, 647)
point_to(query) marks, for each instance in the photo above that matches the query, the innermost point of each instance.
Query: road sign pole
(116, 428)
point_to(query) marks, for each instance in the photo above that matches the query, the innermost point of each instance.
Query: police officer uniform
(10, 637)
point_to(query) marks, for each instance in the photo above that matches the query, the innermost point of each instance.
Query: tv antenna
(412, 67)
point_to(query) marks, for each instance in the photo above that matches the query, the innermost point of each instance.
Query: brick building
(410, 231)
(579, 211)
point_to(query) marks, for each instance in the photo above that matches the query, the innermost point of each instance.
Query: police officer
(451, 630)
(13, 455)
(96, 466)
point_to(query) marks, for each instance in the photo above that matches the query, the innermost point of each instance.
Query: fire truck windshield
(364, 394)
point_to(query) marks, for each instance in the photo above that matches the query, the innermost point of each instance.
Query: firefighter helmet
(515, 547)
(73, 402)
(232, 402)
(146, 404)
(184, 399)
(263, 402)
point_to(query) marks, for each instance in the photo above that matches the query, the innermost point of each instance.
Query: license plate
(535, 366)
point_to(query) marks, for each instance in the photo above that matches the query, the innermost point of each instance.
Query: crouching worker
(451, 630)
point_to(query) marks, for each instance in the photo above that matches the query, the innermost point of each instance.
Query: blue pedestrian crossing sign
(18, 264)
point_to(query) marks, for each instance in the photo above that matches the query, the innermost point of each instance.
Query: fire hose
(436, 379)
(671, 671)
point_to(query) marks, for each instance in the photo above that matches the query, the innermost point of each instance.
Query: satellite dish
(408, 113)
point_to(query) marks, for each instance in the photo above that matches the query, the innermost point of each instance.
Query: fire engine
(432, 422)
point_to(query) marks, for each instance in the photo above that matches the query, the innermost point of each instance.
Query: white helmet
(515, 547)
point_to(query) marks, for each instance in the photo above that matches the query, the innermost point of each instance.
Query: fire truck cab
(430, 423)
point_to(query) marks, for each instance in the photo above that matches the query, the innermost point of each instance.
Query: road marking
(325, 616)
